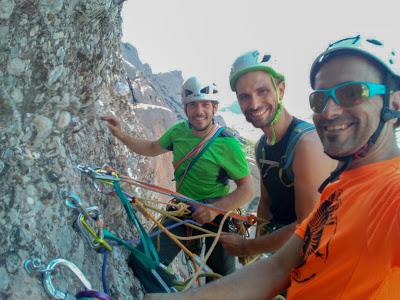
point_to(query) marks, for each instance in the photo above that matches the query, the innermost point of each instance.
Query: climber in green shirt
(205, 157)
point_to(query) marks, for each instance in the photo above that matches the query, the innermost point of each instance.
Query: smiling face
(343, 131)
(200, 114)
(256, 95)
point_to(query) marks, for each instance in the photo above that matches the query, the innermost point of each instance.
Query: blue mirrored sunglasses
(346, 94)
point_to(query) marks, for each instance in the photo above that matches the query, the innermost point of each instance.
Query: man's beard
(260, 123)
(204, 128)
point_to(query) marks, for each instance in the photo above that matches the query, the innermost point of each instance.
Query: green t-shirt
(208, 177)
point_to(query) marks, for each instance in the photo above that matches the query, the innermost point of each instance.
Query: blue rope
(103, 272)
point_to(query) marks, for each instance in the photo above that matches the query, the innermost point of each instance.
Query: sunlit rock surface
(61, 67)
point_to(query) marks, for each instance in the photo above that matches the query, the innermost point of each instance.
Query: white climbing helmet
(193, 90)
(253, 61)
(369, 48)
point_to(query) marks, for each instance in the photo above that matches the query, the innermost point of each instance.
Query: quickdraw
(97, 240)
(35, 266)
(94, 239)
(110, 178)
(109, 174)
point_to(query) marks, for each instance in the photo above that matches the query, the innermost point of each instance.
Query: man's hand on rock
(114, 125)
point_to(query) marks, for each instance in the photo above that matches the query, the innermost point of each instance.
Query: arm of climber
(263, 279)
(241, 195)
(311, 166)
(236, 245)
(139, 146)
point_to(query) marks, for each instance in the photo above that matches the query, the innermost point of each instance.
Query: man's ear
(281, 89)
(395, 100)
(215, 108)
(395, 105)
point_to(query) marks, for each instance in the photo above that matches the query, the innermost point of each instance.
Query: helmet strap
(336, 173)
(278, 113)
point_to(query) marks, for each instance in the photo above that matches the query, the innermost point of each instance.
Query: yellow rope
(162, 227)
(221, 225)
(171, 216)
(174, 238)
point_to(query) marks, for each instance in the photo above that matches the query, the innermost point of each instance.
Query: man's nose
(332, 110)
(254, 102)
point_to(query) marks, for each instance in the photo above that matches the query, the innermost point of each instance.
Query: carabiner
(95, 173)
(95, 239)
(35, 266)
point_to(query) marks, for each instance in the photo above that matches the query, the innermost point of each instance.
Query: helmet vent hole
(205, 90)
(375, 42)
(266, 58)
(188, 92)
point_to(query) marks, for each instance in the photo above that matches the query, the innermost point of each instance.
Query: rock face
(163, 89)
(60, 69)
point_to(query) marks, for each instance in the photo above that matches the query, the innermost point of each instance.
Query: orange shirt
(352, 238)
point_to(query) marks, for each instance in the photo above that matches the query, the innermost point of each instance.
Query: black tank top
(282, 196)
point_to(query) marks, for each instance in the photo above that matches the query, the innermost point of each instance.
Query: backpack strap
(285, 164)
(260, 156)
(298, 131)
(260, 152)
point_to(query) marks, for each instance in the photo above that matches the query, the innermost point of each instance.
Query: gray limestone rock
(43, 127)
(16, 66)
(4, 279)
(64, 120)
(6, 8)
(62, 70)
(51, 6)
(55, 74)
(17, 95)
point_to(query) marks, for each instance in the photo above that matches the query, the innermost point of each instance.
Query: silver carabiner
(36, 266)
(86, 214)
(48, 283)
(95, 175)
(93, 213)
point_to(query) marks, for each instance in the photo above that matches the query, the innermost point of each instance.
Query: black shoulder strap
(285, 164)
(260, 152)
(298, 131)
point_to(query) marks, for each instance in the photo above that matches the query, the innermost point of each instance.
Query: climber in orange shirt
(349, 246)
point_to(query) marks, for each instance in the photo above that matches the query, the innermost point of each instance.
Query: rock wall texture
(61, 67)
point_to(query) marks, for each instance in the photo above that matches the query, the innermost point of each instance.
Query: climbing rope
(218, 234)
(108, 173)
(111, 177)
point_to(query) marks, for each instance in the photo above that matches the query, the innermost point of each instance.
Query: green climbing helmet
(253, 61)
(193, 90)
(372, 49)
